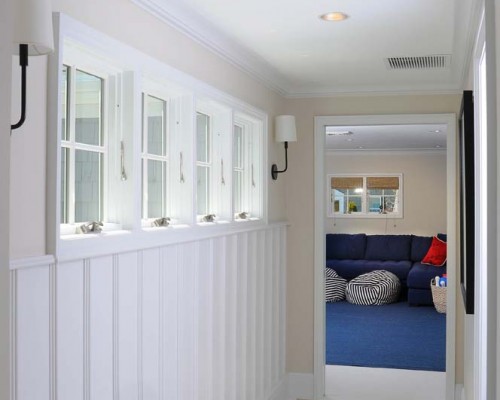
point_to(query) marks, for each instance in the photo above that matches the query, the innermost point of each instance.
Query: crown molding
(209, 36)
(386, 152)
(201, 31)
(357, 92)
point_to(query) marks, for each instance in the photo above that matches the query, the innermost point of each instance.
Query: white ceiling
(285, 44)
(388, 137)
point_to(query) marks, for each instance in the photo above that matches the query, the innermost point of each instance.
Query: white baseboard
(300, 386)
(459, 392)
(280, 392)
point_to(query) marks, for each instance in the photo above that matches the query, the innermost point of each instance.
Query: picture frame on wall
(467, 203)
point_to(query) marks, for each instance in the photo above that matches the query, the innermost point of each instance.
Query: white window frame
(252, 173)
(364, 213)
(207, 165)
(146, 156)
(220, 163)
(111, 85)
(128, 72)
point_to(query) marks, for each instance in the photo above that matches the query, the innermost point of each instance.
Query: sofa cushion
(388, 247)
(350, 269)
(436, 254)
(420, 275)
(345, 246)
(419, 247)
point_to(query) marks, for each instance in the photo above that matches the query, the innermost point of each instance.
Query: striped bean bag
(373, 288)
(334, 286)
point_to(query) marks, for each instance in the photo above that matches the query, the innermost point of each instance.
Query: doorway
(320, 206)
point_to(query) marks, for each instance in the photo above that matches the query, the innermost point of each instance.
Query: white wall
(5, 122)
(424, 191)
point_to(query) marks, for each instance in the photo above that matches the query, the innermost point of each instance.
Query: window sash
(71, 206)
(154, 156)
(204, 148)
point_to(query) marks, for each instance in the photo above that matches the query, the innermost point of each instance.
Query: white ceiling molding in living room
(286, 46)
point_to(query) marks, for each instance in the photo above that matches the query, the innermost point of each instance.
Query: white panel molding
(170, 337)
(161, 325)
(13, 335)
(86, 329)
(140, 325)
(53, 331)
(116, 347)
(100, 328)
(199, 320)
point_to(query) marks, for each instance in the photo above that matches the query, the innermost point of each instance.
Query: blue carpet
(389, 336)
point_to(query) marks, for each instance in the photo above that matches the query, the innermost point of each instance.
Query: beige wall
(122, 20)
(424, 178)
(5, 122)
(300, 188)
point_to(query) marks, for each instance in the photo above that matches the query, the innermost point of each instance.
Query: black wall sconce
(33, 36)
(284, 131)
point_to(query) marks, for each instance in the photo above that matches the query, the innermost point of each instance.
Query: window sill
(81, 236)
(107, 243)
(366, 216)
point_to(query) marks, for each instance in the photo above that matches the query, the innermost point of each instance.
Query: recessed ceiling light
(438, 146)
(435, 131)
(360, 147)
(334, 16)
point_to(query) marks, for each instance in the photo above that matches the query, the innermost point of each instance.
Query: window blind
(382, 182)
(347, 183)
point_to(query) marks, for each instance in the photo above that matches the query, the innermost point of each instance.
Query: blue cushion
(420, 275)
(344, 246)
(350, 269)
(388, 247)
(442, 236)
(419, 247)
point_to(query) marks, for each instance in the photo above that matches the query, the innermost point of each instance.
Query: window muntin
(82, 149)
(154, 157)
(203, 164)
(368, 195)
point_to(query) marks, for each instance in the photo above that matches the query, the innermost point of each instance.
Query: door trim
(319, 232)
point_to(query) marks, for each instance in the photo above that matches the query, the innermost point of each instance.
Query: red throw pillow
(437, 253)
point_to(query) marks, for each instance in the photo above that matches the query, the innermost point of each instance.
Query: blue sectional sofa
(355, 254)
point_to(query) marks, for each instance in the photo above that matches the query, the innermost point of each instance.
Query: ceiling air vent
(422, 62)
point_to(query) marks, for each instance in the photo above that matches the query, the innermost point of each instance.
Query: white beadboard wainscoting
(195, 320)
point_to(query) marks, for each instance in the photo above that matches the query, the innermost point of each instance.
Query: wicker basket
(438, 297)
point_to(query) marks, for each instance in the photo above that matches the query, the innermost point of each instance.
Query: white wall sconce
(285, 131)
(33, 36)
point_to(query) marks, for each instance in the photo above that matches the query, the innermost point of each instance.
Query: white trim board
(319, 234)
